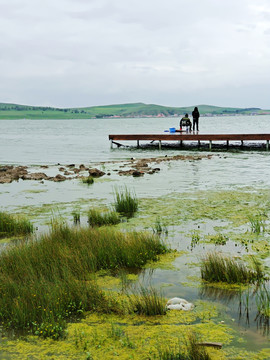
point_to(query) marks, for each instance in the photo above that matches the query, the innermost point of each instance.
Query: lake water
(52, 142)
(79, 141)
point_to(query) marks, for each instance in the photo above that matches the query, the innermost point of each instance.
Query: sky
(75, 53)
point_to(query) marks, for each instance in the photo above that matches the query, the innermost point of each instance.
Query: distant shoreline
(121, 111)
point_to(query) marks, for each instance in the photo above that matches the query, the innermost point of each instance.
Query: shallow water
(51, 142)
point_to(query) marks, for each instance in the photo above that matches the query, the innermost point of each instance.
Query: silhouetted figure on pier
(195, 115)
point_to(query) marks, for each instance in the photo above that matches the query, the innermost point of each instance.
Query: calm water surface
(52, 142)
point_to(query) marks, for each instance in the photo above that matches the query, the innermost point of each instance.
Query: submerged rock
(35, 176)
(96, 172)
(59, 178)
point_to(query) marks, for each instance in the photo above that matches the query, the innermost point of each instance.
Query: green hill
(15, 111)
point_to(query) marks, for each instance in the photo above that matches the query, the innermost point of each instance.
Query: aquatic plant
(126, 203)
(257, 223)
(263, 300)
(14, 225)
(219, 239)
(195, 238)
(87, 180)
(46, 281)
(98, 218)
(192, 350)
(76, 213)
(147, 301)
(220, 268)
(159, 227)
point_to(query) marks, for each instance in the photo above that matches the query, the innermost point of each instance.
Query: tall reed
(126, 203)
(14, 225)
(257, 222)
(263, 300)
(219, 268)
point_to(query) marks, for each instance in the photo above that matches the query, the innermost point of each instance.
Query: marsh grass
(219, 268)
(98, 218)
(195, 239)
(263, 300)
(147, 301)
(160, 227)
(126, 203)
(76, 213)
(257, 223)
(191, 350)
(47, 281)
(87, 180)
(13, 225)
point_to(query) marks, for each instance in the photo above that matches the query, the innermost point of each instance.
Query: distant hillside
(15, 111)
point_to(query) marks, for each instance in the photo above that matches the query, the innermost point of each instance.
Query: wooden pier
(188, 137)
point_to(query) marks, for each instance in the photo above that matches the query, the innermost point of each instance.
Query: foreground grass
(46, 281)
(11, 225)
(219, 268)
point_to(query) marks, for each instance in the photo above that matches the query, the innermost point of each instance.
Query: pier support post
(199, 144)
(138, 144)
(111, 144)
(242, 143)
(210, 145)
(267, 145)
(159, 145)
(227, 144)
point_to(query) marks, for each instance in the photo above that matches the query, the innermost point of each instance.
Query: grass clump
(13, 225)
(148, 301)
(160, 228)
(45, 282)
(219, 268)
(257, 223)
(191, 351)
(263, 301)
(98, 218)
(87, 180)
(126, 203)
(76, 213)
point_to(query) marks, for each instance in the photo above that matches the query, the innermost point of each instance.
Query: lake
(238, 179)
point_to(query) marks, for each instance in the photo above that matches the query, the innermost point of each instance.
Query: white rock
(179, 304)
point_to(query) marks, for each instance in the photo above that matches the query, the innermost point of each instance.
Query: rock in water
(179, 304)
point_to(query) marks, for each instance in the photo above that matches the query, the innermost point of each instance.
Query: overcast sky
(71, 53)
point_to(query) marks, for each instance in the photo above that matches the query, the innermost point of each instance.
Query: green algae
(93, 336)
(230, 210)
(165, 261)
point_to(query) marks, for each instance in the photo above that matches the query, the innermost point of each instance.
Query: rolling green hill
(15, 111)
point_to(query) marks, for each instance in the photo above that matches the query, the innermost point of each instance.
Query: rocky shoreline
(137, 167)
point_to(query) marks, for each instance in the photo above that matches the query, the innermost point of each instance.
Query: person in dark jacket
(195, 115)
(185, 121)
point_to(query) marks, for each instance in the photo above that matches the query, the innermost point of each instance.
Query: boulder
(96, 172)
(59, 178)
